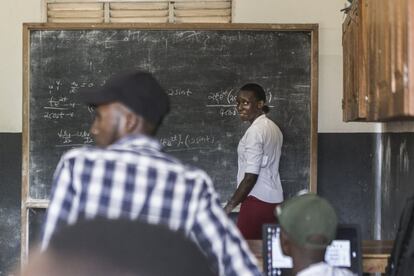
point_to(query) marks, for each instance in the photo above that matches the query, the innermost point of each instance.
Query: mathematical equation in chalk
(185, 142)
(68, 138)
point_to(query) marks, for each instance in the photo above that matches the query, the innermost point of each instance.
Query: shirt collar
(137, 141)
(258, 119)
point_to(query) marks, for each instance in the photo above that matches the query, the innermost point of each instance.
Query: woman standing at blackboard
(259, 189)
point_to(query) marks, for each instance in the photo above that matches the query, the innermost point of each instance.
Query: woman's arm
(246, 185)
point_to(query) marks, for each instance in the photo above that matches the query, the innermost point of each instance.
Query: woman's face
(248, 106)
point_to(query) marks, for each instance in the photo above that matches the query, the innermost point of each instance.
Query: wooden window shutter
(151, 12)
(202, 11)
(58, 12)
(138, 11)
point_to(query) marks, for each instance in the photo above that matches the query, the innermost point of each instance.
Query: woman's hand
(245, 186)
(228, 208)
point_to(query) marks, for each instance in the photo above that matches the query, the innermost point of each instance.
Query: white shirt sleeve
(253, 151)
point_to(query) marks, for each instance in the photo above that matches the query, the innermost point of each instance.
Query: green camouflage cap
(306, 217)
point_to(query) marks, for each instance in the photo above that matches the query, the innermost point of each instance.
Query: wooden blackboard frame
(28, 202)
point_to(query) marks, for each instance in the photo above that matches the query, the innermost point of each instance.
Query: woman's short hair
(258, 92)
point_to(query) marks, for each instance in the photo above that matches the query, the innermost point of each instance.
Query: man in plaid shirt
(128, 176)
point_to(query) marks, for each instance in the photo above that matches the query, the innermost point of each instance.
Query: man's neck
(304, 259)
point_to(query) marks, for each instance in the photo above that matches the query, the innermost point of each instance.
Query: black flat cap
(139, 91)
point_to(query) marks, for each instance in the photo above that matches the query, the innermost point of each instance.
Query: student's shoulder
(192, 174)
(187, 170)
(255, 131)
(269, 127)
(80, 152)
(196, 172)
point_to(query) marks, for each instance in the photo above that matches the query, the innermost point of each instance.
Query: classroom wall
(12, 14)
(363, 168)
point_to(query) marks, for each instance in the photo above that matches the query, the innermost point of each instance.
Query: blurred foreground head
(118, 248)
(308, 220)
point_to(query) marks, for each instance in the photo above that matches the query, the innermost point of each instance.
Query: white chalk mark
(56, 108)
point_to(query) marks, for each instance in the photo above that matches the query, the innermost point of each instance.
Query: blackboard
(201, 67)
(10, 175)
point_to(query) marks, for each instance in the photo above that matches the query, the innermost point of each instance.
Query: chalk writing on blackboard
(179, 92)
(74, 138)
(185, 142)
(225, 102)
(60, 105)
(223, 97)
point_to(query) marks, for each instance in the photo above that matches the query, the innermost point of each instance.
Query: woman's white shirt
(259, 153)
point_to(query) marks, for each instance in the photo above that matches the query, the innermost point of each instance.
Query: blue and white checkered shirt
(133, 179)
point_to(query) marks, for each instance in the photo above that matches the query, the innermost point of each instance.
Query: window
(125, 11)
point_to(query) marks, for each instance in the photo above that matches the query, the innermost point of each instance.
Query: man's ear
(260, 104)
(133, 122)
(285, 244)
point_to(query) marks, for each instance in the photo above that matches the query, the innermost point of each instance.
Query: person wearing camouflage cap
(308, 225)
